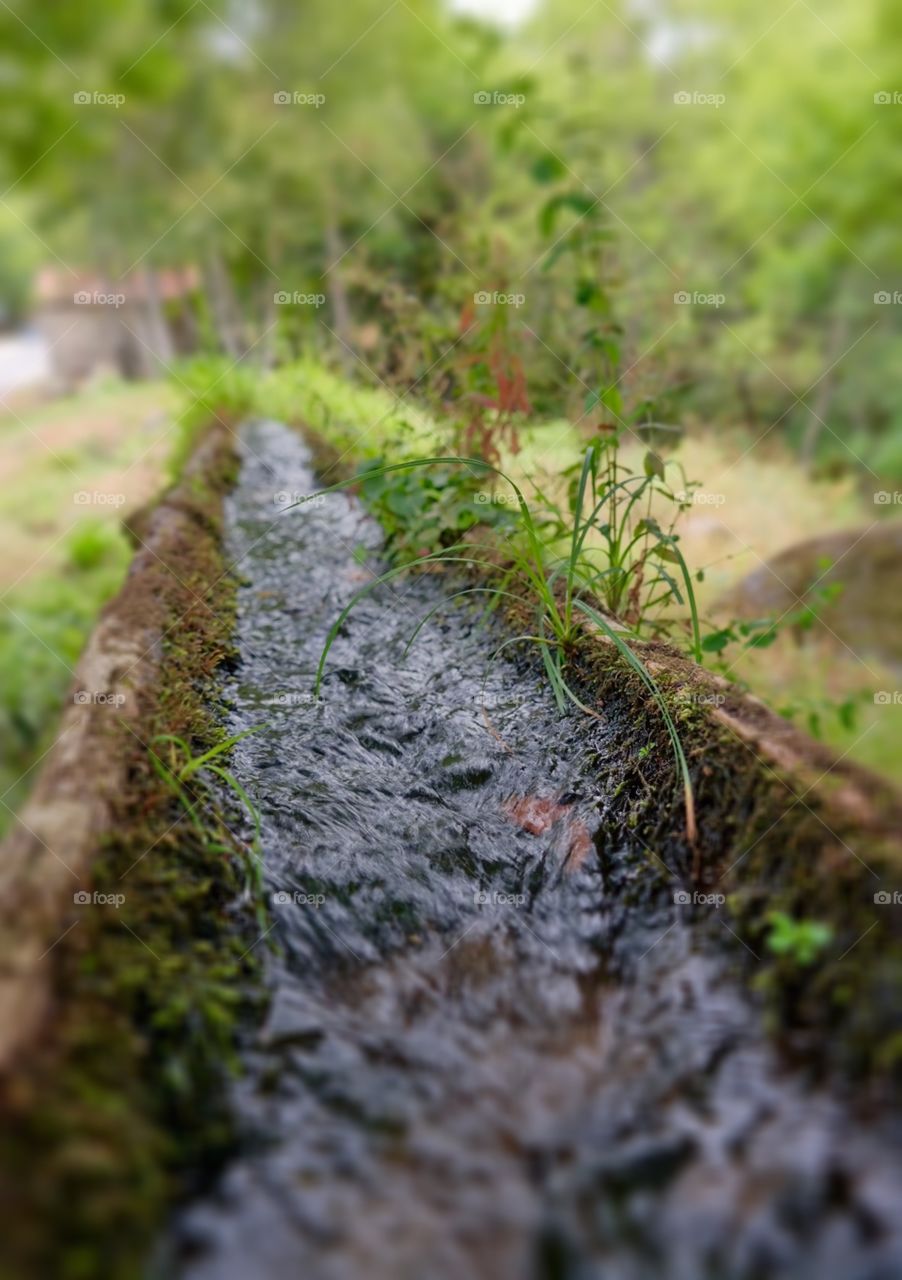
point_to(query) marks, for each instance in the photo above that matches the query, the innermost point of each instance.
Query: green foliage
(183, 774)
(800, 941)
(426, 509)
(634, 571)
(92, 543)
(400, 198)
(758, 633)
(361, 420)
(43, 629)
(213, 386)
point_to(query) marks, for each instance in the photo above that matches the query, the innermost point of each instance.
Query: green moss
(122, 1108)
(776, 843)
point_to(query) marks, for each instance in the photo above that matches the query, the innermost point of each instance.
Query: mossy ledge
(119, 1023)
(784, 826)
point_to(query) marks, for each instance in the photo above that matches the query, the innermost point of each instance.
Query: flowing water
(497, 1048)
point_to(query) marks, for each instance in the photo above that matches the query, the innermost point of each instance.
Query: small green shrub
(93, 543)
(801, 941)
(424, 510)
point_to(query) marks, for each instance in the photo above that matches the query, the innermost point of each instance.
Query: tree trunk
(265, 350)
(817, 413)
(160, 339)
(224, 307)
(338, 294)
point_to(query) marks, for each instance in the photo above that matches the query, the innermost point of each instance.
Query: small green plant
(424, 510)
(634, 566)
(801, 941)
(92, 543)
(182, 773)
(759, 633)
(619, 550)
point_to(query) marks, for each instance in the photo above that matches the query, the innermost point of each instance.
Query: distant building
(133, 327)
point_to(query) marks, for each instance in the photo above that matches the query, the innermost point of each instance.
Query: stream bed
(498, 1045)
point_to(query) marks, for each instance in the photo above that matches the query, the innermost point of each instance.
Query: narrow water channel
(497, 1048)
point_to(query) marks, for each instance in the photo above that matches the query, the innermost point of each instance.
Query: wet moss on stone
(813, 839)
(121, 1109)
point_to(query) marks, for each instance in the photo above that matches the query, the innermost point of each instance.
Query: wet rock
(539, 814)
(467, 774)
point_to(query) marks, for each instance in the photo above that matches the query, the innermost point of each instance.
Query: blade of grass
(641, 670)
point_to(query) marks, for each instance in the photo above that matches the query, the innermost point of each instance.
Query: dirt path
(96, 455)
